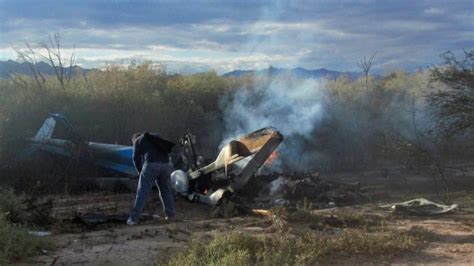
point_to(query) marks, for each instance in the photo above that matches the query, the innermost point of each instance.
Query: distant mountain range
(295, 72)
(7, 68)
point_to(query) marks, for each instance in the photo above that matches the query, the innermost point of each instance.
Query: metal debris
(293, 188)
(40, 233)
(420, 206)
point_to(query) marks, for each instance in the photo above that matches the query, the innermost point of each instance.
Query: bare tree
(29, 56)
(53, 56)
(366, 65)
(72, 62)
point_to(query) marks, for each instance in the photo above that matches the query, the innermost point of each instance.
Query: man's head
(136, 136)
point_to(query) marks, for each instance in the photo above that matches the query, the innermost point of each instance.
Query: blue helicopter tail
(46, 130)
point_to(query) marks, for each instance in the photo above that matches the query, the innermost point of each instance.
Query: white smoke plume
(295, 108)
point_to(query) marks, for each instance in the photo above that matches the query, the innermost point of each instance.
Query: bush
(25, 210)
(16, 243)
(12, 207)
(287, 249)
(454, 103)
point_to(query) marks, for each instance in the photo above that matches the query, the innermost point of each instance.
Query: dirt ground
(451, 239)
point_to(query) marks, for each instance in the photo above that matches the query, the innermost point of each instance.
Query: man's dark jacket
(151, 148)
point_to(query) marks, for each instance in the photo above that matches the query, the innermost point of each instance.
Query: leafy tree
(453, 103)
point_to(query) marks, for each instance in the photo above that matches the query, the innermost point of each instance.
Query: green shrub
(16, 243)
(12, 206)
(25, 210)
(287, 249)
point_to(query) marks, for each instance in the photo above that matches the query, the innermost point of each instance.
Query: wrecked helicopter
(195, 178)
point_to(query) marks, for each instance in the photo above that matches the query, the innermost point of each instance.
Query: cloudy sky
(192, 36)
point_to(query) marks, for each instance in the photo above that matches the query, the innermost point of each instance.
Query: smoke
(327, 124)
(294, 107)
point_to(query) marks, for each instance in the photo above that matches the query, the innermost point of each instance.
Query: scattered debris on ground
(307, 189)
(420, 207)
(341, 221)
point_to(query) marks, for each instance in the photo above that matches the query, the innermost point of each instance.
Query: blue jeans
(159, 174)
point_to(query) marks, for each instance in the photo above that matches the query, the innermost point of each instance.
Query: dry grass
(288, 249)
(422, 233)
(340, 219)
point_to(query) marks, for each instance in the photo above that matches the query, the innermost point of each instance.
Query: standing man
(150, 157)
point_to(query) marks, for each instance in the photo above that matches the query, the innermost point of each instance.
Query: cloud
(240, 34)
(434, 11)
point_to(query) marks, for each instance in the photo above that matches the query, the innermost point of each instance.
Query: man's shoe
(131, 222)
(170, 218)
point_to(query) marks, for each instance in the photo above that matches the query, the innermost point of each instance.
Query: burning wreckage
(196, 179)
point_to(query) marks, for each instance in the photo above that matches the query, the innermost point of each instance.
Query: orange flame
(271, 158)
